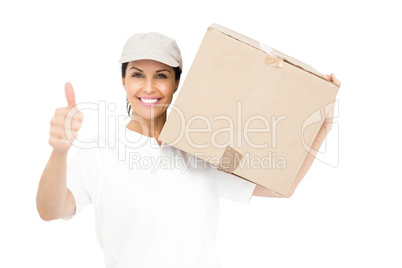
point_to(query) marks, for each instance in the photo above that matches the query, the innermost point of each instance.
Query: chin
(145, 116)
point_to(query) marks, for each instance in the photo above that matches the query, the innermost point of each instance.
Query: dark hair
(177, 73)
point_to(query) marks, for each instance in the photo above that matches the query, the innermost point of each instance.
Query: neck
(148, 127)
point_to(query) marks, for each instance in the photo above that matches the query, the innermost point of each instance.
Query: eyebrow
(158, 71)
(137, 69)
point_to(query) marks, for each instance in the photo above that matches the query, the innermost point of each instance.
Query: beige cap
(152, 46)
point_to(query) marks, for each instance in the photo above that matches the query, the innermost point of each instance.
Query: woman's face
(149, 86)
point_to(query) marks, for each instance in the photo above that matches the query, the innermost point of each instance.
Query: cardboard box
(248, 109)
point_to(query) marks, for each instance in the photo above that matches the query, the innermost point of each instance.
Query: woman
(163, 214)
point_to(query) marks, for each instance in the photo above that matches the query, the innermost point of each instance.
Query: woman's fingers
(331, 77)
(327, 76)
(335, 80)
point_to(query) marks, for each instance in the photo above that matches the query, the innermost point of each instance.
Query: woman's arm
(54, 200)
(325, 128)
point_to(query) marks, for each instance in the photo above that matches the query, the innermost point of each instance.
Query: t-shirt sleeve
(234, 188)
(83, 178)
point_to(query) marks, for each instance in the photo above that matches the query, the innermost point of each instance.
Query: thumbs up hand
(65, 123)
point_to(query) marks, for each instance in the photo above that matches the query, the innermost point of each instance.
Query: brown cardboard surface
(238, 100)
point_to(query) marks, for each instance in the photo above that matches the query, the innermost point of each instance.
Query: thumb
(70, 95)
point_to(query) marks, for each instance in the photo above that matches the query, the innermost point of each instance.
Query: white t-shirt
(154, 206)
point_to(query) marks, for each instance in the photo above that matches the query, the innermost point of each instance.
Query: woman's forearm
(52, 191)
(309, 158)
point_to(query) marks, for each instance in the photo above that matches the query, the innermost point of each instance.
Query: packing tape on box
(230, 160)
(271, 59)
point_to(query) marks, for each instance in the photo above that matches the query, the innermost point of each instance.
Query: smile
(148, 101)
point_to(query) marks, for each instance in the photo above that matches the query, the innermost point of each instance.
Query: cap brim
(157, 56)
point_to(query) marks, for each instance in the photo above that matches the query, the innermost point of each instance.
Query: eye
(161, 76)
(137, 75)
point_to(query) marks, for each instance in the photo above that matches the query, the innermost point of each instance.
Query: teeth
(149, 100)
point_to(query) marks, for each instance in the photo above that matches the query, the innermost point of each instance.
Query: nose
(149, 86)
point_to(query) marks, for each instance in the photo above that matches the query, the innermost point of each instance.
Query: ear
(123, 80)
(177, 85)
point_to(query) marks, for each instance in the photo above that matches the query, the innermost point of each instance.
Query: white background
(343, 216)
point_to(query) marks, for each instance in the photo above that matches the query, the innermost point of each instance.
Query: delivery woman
(155, 206)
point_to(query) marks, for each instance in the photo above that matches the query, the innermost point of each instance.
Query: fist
(65, 123)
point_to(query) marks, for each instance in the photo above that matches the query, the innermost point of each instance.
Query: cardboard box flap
(235, 35)
(270, 51)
